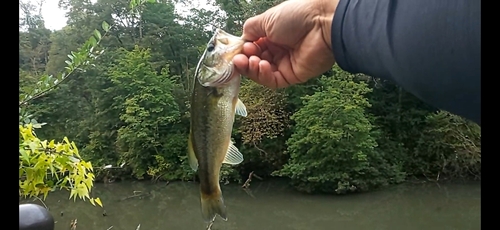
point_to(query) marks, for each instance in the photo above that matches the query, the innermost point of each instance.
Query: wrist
(327, 10)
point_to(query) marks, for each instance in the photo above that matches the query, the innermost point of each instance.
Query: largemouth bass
(214, 104)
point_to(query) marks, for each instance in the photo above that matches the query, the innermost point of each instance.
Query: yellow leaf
(75, 149)
(92, 201)
(52, 170)
(98, 201)
(45, 192)
(91, 176)
(82, 191)
(32, 146)
(25, 156)
(87, 165)
(51, 144)
(44, 144)
(88, 182)
(59, 148)
(73, 194)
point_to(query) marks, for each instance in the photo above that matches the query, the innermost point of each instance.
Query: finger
(254, 28)
(262, 43)
(281, 80)
(250, 48)
(240, 62)
(266, 76)
(253, 67)
(266, 55)
(286, 69)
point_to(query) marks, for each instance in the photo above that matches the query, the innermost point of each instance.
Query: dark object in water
(35, 217)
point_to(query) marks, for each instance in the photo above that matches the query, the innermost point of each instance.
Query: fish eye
(210, 47)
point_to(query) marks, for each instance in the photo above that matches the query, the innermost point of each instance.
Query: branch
(140, 195)
(43, 93)
(247, 182)
(38, 198)
(250, 176)
(73, 224)
(85, 50)
(261, 150)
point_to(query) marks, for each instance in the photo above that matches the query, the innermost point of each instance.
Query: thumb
(254, 28)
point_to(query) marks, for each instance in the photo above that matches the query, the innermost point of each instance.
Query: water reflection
(274, 206)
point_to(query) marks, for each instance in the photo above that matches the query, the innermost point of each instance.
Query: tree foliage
(267, 117)
(146, 108)
(449, 145)
(46, 165)
(333, 147)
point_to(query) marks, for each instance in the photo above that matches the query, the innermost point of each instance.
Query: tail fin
(212, 204)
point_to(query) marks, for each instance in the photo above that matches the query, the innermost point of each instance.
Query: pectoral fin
(193, 162)
(233, 155)
(241, 109)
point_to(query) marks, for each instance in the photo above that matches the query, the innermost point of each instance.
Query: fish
(214, 104)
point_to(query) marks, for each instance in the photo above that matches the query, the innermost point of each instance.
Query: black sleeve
(431, 48)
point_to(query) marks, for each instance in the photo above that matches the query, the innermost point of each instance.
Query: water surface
(275, 206)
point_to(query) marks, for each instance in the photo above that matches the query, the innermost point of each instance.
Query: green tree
(333, 145)
(147, 109)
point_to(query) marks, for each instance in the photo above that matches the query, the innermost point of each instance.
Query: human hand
(288, 44)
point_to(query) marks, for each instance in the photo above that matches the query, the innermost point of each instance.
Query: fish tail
(212, 204)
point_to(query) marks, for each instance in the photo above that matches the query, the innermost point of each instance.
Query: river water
(272, 205)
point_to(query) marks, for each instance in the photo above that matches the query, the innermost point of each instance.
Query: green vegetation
(122, 97)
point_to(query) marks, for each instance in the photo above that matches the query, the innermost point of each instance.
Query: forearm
(430, 48)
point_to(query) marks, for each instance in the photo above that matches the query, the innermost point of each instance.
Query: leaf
(82, 191)
(24, 156)
(105, 26)
(75, 149)
(52, 170)
(32, 146)
(73, 194)
(97, 35)
(92, 201)
(133, 4)
(98, 201)
(45, 192)
(51, 144)
(92, 41)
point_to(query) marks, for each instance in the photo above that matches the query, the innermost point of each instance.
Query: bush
(333, 145)
(450, 146)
